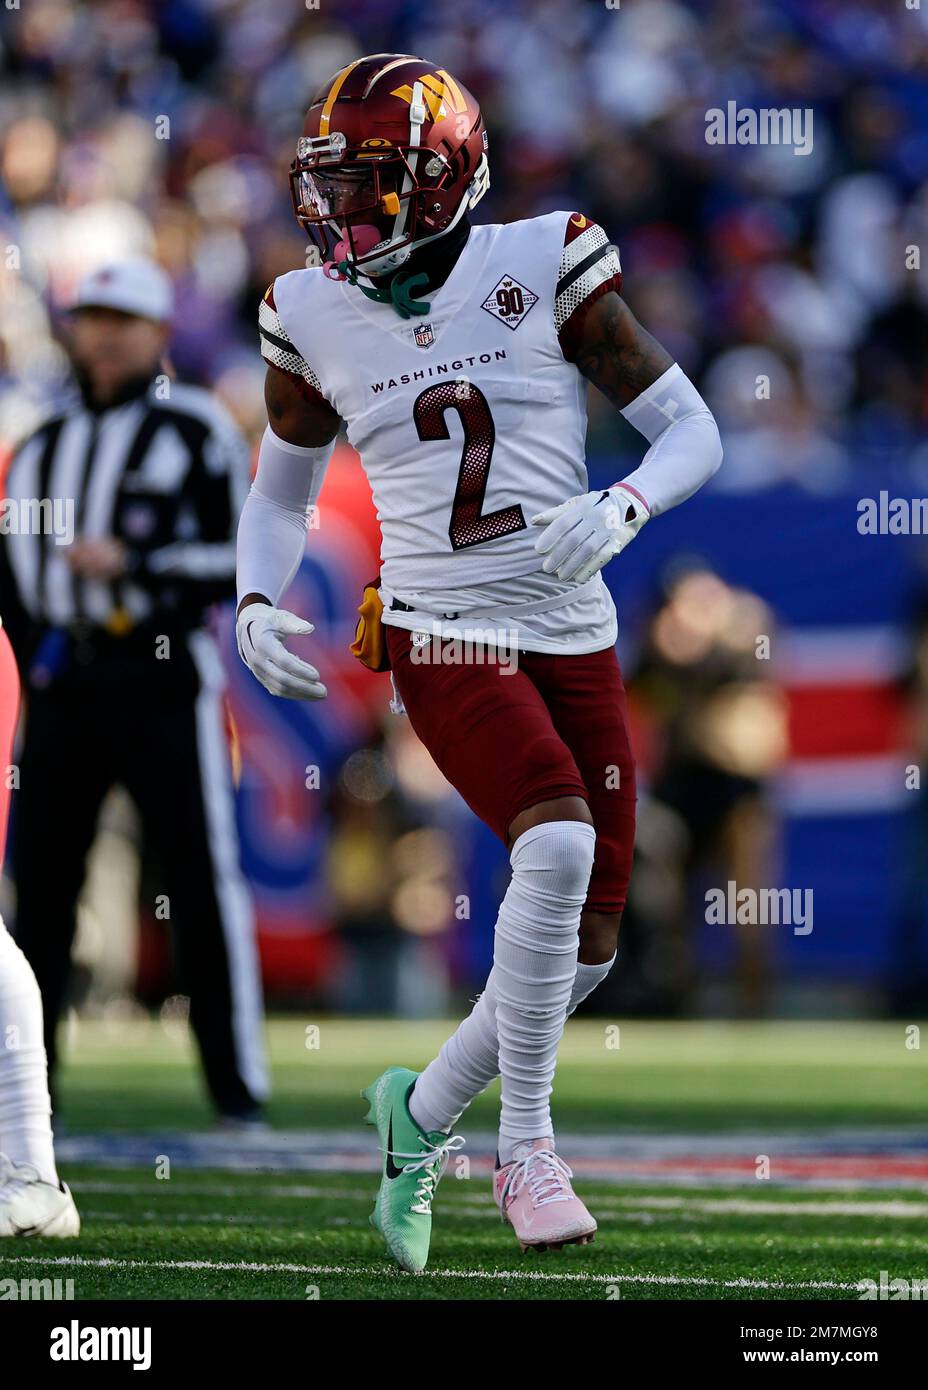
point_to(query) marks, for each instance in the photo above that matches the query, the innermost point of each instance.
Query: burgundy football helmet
(393, 152)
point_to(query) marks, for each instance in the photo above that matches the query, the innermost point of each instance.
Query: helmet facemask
(370, 208)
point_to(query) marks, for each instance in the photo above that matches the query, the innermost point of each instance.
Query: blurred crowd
(788, 286)
(131, 126)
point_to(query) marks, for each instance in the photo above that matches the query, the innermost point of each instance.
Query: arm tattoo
(296, 412)
(616, 354)
(274, 397)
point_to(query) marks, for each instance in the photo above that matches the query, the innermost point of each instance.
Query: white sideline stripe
(744, 1206)
(188, 1218)
(172, 1189)
(539, 1276)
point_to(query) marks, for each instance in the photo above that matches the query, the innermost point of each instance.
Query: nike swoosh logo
(392, 1170)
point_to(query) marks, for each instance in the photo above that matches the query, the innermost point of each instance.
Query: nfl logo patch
(423, 335)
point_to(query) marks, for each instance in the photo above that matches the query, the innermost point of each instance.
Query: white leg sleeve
(469, 1060)
(25, 1108)
(534, 964)
(464, 1067)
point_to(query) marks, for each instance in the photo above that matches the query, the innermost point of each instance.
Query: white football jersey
(468, 419)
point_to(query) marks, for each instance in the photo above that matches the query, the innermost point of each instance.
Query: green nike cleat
(413, 1162)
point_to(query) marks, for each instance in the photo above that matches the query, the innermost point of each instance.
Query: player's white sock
(25, 1108)
(588, 978)
(534, 964)
(469, 1060)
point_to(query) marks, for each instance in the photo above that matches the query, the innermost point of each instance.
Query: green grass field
(673, 1076)
(238, 1233)
(285, 1238)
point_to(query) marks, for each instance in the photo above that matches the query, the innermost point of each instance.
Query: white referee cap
(135, 287)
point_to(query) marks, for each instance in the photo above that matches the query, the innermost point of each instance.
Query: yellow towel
(369, 645)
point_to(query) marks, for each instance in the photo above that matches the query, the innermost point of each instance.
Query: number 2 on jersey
(468, 525)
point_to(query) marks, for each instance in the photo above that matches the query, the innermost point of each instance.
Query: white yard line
(249, 1267)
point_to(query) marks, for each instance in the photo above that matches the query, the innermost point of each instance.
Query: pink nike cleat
(534, 1195)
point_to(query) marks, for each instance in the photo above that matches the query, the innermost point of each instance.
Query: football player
(33, 1199)
(458, 357)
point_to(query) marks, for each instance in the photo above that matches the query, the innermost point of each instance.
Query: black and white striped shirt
(167, 476)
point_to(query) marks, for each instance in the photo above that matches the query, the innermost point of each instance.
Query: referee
(140, 484)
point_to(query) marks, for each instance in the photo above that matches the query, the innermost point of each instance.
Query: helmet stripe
(398, 62)
(333, 93)
(457, 96)
(416, 109)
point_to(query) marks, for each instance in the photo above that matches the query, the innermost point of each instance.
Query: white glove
(584, 532)
(260, 631)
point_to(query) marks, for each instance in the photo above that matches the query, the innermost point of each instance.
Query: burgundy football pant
(557, 726)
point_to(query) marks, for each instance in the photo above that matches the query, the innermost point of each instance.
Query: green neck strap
(402, 287)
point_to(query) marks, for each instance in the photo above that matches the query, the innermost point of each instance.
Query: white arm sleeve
(272, 527)
(685, 446)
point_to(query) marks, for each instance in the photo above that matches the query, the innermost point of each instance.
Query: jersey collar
(445, 301)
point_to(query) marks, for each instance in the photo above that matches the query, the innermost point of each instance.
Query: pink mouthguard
(366, 238)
